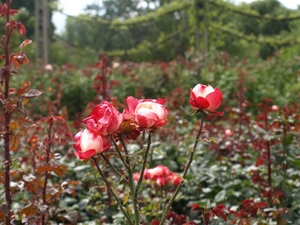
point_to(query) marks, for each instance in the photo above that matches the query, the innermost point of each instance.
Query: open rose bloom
(104, 119)
(205, 98)
(149, 114)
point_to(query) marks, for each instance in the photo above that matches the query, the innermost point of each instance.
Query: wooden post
(42, 32)
(205, 34)
(199, 6)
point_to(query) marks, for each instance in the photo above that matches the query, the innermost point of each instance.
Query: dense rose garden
(148, 143)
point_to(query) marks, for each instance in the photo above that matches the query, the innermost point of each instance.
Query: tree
(255, 26)
(135, 36)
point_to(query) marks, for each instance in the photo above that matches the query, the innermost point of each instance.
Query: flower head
(205, 98)
(147, 113)
(87, 144)
(104, 119)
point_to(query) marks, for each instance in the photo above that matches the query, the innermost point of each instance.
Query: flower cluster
(106, 125)
(105, 120)
(142, 114)
(161, 175)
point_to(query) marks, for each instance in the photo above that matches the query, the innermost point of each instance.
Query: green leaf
(126, 197)
(159, 152)
(287, 140)
(220, 196)
(213, 139)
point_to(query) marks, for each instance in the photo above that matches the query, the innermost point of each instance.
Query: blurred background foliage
(150, 30)
(252, 53)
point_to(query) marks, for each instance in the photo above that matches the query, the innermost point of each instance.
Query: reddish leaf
(2, 216)
(12, 90)
(60, 170)
(3, 73)
(24, 88)
(28, 211)
(18, 59)
(25, 43)
(261, 204)
(42, 169)
(33, 140)
(21, 29)
(260, 161)
(13, 11)
(16, 175)
(34, 186)
(190, 223)
(155, 222)
(219, 211)
(10, 24)
(2, 177)
(4, 209)
(74, 182)
(15, 142)
(195, 207)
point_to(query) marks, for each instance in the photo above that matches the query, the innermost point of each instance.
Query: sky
(75, 7)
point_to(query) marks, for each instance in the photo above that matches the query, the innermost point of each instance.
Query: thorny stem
(131, 182)
(7, 161)
(111, 166)
(112, 192)
(118, 151)
(136, 191)
(168, 206)
(268, 153)
(142, 140)
(47, 174)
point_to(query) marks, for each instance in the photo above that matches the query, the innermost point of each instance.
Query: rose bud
(205, 98)
(87, 144)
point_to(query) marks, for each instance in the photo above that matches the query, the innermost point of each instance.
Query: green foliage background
(153, 54)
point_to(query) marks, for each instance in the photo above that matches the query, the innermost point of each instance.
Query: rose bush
(147, 113)
(106, 127)
(205, 98)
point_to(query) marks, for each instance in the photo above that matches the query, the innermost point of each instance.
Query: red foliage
(207, 214)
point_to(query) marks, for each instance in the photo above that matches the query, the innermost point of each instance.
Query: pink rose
(173, 179)
(160, 181)
(161, 175)
(137, 176)
(147, 113)
(274, 108)
(87, 144)
(104, 119)
(159, 171)
(205, 98)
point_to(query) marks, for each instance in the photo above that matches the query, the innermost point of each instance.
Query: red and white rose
(147, 113)
(87, 144)
(104, 119)
(205, 97)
